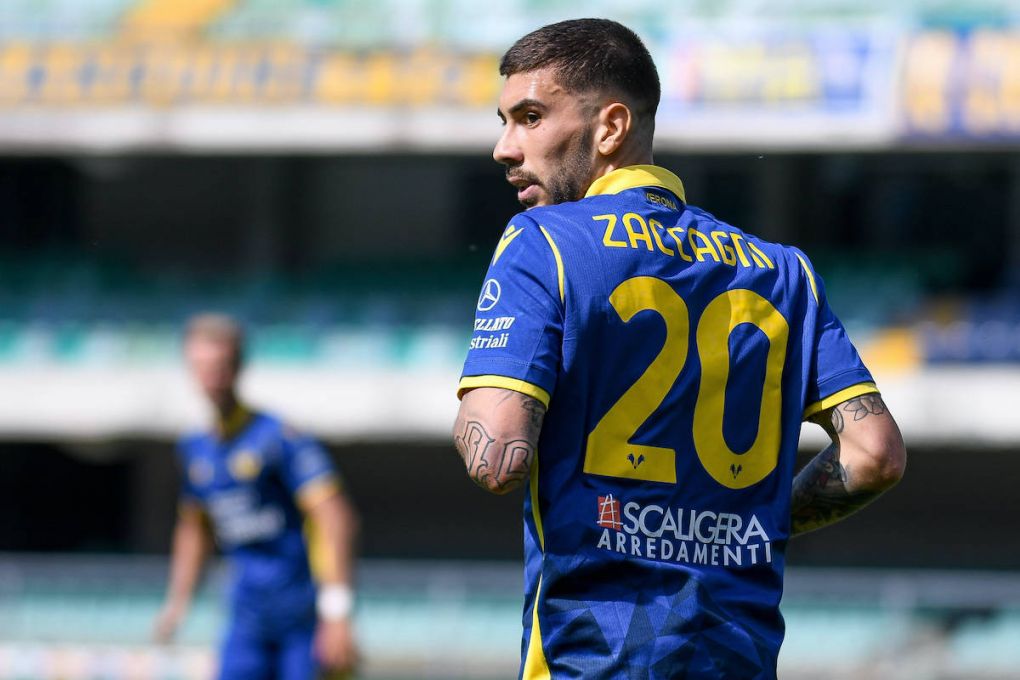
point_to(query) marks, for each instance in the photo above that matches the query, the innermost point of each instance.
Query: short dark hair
(591, 55)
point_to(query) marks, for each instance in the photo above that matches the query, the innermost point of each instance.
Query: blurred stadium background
(321, 169)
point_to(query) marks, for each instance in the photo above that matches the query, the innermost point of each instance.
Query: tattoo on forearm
(496, 467)
(861, 407)
(516, 463)
(826, 490)
(492, 467)
(473, 442)
(536, 410)
(855, 409)
(821, 492)
(837, 421)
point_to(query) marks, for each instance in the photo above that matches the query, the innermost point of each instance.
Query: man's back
(677, 357)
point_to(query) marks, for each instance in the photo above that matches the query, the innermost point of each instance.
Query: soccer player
(643, 369)
(253, 482)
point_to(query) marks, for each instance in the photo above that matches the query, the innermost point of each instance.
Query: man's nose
(507, 152)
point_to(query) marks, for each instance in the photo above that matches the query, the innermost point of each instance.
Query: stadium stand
(792, 76)
(458, 620)
(161, 19)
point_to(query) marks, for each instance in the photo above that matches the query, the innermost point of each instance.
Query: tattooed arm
(496, 434)
(866, 458)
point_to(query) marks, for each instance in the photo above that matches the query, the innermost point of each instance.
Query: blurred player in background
(253, 483)
(644, 369)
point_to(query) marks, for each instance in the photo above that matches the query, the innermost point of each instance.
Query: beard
(571, 179)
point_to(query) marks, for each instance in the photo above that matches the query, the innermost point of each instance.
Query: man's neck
(230, 415)
(226, 406)
(622, 160)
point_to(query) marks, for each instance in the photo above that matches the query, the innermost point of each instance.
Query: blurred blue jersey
(677, 356)
(252, 482)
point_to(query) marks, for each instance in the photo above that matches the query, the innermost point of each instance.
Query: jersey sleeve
(517, 338)
(837, 372)
(188, 500)
(307, 470)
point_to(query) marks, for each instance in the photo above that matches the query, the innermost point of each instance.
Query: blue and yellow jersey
(677, 356)
(253, 477)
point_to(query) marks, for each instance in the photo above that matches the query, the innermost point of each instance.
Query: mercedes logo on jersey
(490, 295)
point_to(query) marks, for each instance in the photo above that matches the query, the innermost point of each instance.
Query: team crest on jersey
(200, 472)
(609, 513)
(244, 465)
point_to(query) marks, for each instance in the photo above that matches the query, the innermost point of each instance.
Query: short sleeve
(190, 471)
(517, 338)
(307, 470)
(837, 372)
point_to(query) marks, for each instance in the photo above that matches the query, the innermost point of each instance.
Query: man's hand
(334, 645)
(168, 621)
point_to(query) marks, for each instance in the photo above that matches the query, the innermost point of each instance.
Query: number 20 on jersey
(610, 452)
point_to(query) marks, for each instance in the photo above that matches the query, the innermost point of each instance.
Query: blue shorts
(251, 652)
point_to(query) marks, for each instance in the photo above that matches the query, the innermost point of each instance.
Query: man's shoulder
(562, 224)
(571, 211)
(273, 426)
(703, 220)
(269, 426)
(192, 441)
(266, 420)
(528, 238)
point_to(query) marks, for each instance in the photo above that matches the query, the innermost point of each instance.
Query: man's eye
(531, 118)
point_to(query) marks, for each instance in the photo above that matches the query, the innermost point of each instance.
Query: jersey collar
(231, 426)
(635, 176)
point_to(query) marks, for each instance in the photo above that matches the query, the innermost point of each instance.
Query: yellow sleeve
(839, 397)
(471, 382)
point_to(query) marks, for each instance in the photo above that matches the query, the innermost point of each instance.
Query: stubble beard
(572, 178)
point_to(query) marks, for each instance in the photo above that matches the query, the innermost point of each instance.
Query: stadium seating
(991, 642)
(73, 310)
(463, 621)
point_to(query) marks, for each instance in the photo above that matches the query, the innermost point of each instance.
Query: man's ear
(615, 121)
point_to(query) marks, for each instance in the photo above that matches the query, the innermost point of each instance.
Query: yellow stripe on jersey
(559, 263)
(810, 276)
(471, 382)
(765, 258)
(316, 490)
(635, 176)
(535, 512)
(505, 240)
(535, 665)
(839, 397)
